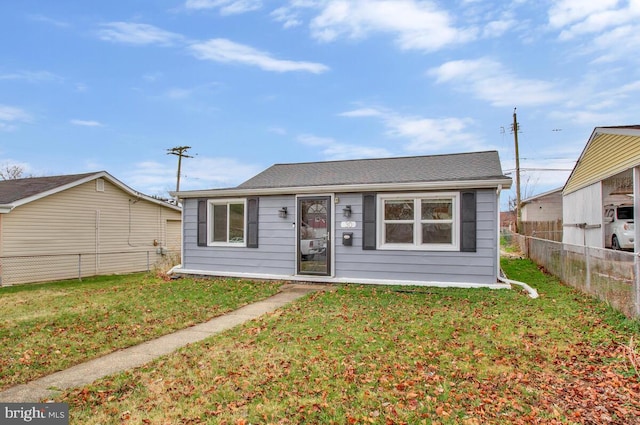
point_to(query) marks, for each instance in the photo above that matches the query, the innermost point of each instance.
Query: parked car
(619, 227)
(310, 247)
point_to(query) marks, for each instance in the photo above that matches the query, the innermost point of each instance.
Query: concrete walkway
(129, 358)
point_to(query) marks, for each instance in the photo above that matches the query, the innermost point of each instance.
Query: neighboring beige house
(546, 206)
(608, 170)
(72, 226)
(542, 216)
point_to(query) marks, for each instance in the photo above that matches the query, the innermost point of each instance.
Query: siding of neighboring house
(604, 173)
(544, 208)
(607, 155)
(106, 227)
(276, 255)
(174, 235)
(583, 225)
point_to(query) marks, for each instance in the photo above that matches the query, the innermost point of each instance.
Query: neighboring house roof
(477, 169)
(16, 192)
(609, 151)
(542, 195)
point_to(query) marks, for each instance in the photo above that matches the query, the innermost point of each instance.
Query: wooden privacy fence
(612, 276)
(549, 230)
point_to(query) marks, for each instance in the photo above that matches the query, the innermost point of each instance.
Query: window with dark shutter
(427, 221)
(252, 222)
(468, 222)
(369, 221)
(202, 222)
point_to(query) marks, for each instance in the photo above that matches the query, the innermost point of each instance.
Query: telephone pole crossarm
(180, 152)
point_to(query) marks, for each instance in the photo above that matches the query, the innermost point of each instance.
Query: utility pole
(515, 128)
(180, 152)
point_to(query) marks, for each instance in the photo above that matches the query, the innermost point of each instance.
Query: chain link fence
(16, 270)
(612, 276)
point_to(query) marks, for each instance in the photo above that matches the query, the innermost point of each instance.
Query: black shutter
(202, 222)
(369, 221)
(468, 222)
(252, 222)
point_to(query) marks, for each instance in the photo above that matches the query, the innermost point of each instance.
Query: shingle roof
(14, 190)
(14, 193)
(432, 168)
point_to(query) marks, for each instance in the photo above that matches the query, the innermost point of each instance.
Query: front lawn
(48, 327)
(394, 355)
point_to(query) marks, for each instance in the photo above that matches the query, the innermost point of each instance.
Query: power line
(508, 171)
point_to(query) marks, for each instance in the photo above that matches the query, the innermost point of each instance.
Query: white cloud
(433, 135)
(567, 12)
(489, 80)
(151, 178)
(363, 112)
(50, 21)
(608, 27)
(137, 34)
(217, 49)
(588, 118)
(620, 43)
(333, 150)
(31, 76)
(158, 178)
(226, 51)
(152, 77)
(498, 28)
(227, 7)
(424, 135)
(215, 172)
(596, 102)
(86, 123)
(178, 93)
(415, 25)
(280, 131)
(287, 16)
(10, 115)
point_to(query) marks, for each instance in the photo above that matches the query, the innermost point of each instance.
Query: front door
(314, 235)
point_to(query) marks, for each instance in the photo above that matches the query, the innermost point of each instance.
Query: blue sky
(111, 85)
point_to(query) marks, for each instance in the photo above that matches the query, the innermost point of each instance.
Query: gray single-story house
(420, 220)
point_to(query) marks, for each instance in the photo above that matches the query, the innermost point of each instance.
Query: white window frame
(417, 222)
(211, 224)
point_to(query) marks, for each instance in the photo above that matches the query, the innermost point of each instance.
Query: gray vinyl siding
(276, 254)
(427, 266)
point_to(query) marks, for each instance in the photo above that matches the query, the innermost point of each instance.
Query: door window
(314, 230)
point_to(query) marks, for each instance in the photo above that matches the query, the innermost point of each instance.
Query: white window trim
(417, 228)
(210, 224)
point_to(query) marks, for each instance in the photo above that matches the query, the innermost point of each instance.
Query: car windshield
(625, 213)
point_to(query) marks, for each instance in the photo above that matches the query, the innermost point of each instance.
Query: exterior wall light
(346, 211)
(282, 212)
